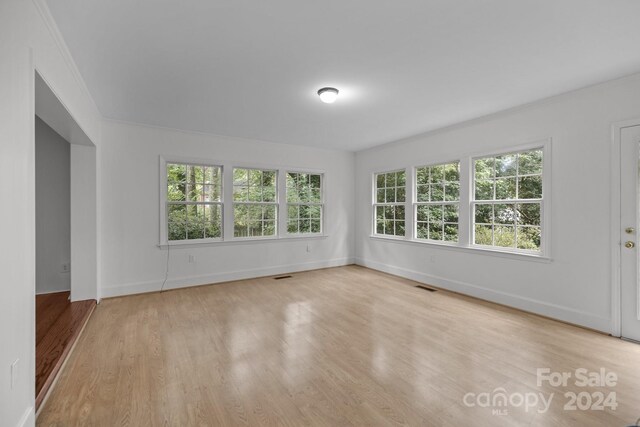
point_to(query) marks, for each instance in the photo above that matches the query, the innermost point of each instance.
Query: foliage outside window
(508, 200)
(389, 206)
(255, 203)
(194, 201)
(304, 203)
(437, 200)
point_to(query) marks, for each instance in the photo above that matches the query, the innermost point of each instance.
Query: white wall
(84, 225)
(131, 259)
(53, 210)
(575, 285)
(26, 41)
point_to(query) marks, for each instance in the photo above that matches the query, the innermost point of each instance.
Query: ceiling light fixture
(328, 95)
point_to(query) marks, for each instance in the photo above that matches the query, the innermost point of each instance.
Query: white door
(629, 215)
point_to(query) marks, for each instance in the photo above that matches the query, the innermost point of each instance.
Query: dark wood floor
(58, 323)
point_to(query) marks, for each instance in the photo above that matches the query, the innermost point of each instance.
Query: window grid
(389, 206)
(304, 203)
(508, 200)
(436, 208)
(194, 201)
(255, 204)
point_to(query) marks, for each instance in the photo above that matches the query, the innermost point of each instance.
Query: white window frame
(287, 203)
(276, 203)
(416, 203)
(544, 217)
(227, 237)
(164, 202)
(465, 208)
(406, 203)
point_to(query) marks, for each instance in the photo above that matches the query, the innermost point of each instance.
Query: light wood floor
(337, 347)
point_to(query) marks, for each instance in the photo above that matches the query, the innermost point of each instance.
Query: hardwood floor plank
(345, 346)
(58, 323)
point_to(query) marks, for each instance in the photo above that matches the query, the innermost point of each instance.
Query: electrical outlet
(192, 259)
(14, 373)
(66, 267)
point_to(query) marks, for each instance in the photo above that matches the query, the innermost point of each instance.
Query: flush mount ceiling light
(328, 95)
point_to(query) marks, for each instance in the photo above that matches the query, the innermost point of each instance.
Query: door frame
(616, 238)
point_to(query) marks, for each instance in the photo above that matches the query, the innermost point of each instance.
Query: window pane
(240, 193)
(422, 230)
(435, 213)
(176, 192)
(269, 194)
(484, 190)
(504, 236)
(437, 174)
(422, 176)
(315, 212)
(437, 193)
(483, 235)
(452, 192)
(240, 176)
(390, 180)
(450, 213)
(504, 214)
(213, 221)
(391, 195)
(435, 231)
(530, 187)
(176, 173)
(451, 232)
(381, 196)
(528, 214)
(452, 172)
(292, 211)
(529, 238)
(422, 213)
(505, 188)
(400, 179)
(389, 227)
(316, 226)
(484, 214)
(530, 162)
(506, 165)
(380, 180)
(484, 168)
(400, 194)
(389, 212)
(268, 228)
(423, 193)
(177, 217)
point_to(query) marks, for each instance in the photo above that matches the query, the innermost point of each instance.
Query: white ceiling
(252, 68)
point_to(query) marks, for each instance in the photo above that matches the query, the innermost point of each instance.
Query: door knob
(629, 244)
(629, 230)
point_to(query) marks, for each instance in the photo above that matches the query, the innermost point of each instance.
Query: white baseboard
(554, 311)
(184, 282)
(52, 292)
(28, 418)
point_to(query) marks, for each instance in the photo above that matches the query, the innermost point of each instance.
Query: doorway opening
(66, 233)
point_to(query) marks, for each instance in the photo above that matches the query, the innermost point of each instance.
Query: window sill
(240, 241)
(471, 249)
